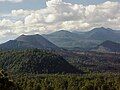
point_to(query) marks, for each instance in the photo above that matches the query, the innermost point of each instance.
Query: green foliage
(35, 61)
(27, 66)
(95, 62)
(69, 82)
(5, 83)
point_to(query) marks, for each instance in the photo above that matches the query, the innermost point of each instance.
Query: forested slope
(35, 61)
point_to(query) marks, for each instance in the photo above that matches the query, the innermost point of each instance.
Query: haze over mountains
(94, 39)
(85, 40)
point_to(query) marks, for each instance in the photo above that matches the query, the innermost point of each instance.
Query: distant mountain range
(108, 46)
(29, 41)
(68, 40)
(103, 34)
(63, 38)
(83, 40)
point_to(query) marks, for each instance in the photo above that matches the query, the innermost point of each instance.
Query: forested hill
(108, 46)
(35, 61)
(29, 42)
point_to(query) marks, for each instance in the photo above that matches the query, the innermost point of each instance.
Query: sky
(8, 5)
(46, 16)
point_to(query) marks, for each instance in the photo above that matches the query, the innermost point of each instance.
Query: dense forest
(69, 82)
(61, 82)
(35, 61)
(34, 69)
(93, 61)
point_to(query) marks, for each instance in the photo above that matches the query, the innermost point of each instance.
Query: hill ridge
(29, 41)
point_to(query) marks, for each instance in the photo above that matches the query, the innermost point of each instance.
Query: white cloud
(61, 15)
(75, 25)
(53, 3)
(21, 12)
(6, 22)
(50, 18)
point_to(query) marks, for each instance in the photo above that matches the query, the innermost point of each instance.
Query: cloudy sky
(45, 16)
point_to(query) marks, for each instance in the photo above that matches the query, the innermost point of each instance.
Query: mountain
(29, 41)
(35, 61)
(63, 34)
(69, 40)
(83, 40)
(103, 34)
(108, 46)
(63, 38)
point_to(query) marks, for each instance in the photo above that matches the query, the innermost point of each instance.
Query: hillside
(103, 34)
(94, 61)
(64, 39)
(63, 34)
(83, 40)
(35, 61)
(70, 40)
(108, 46)
(29, 41)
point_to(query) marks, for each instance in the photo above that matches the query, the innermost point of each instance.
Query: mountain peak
(101, 29)
(30, 41)
(63, 32)
(23, 35)
(29, 37)
(102, 34)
